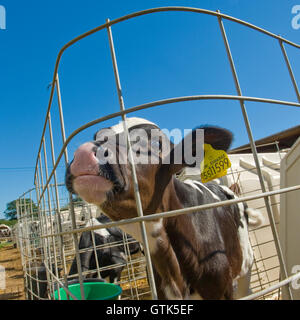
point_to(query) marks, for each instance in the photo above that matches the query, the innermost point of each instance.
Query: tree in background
(26, 205)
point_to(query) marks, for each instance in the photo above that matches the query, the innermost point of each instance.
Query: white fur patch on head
(131, 122)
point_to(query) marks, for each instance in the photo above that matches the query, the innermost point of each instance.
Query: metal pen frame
(41, 187)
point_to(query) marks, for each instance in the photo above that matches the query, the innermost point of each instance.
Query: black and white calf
(110, 255)
(195, 256)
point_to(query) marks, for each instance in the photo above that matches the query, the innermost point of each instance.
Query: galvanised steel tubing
(22, 195)
(42, 184)
(261, 145)
(290, 69)
(285, 282)
(178, 212)
(34, 258)
(95, 253)
(27, 239)
(129, 265)
(21, 240)
(18, 228)
(43, 220)
(157, 104)
(60, 283)
(41, 204)
(141, 13)
(61, 117)
(146, 12)
(30, 241)
(37, 188)
(61, 243)
(34, 294)
(50, 207)
(72, 211)
(44, 212)
(32, 278)
(28, 247)
(133, 169)
(107, 245)
(255, 155)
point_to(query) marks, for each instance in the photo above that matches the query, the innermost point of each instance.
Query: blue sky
(160, 56)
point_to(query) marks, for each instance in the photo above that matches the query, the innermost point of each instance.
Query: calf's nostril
(94, 150)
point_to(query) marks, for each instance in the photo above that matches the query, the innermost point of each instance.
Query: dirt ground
(10, 259)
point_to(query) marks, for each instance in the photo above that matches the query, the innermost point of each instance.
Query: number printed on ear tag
(214, 165)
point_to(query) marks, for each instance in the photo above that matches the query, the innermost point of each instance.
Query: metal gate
(48, 231)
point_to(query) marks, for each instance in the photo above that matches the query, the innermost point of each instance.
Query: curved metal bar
(178, 212)
(138, 14)
(156, 104)
(273, 287)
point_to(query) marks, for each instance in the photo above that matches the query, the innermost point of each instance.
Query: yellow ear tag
(214, 165)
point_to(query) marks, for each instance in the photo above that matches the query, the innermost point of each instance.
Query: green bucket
(92, 291)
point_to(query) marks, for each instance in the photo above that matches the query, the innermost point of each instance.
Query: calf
(199, 255)
(106, 256)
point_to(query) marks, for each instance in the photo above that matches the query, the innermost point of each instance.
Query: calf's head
(101, 171)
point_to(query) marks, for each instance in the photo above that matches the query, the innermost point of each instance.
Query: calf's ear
(189, 152)
(218, 138)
